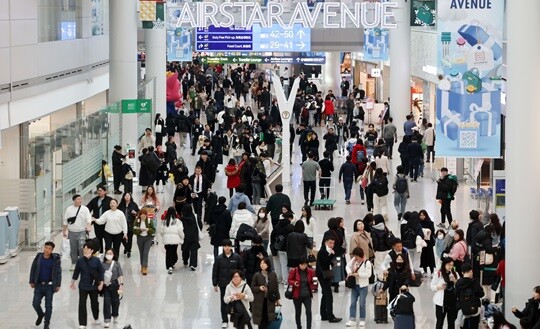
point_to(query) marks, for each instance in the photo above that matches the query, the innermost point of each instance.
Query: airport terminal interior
(86, 85)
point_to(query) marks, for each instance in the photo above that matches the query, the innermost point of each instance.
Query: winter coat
(233, 176)
(232, 289)
(474, 227)
(361, 240)
(172, 234)
(262, 228)
(464, 284)
(240, 216)
(284, 228)
(235, 201)
(294, 281)
(259, 296)
(222, 220)
(251, 260)
(223, 268)
(339, 238)
(297, 245)
(191, 233)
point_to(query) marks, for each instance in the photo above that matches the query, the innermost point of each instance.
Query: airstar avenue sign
(245, 14)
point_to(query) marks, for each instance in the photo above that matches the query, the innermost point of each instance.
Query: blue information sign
(69, 30)
(257, 38)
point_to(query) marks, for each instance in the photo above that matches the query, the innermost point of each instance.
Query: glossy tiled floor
(186, 299)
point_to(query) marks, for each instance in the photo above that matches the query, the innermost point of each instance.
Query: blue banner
(178, 39)
(376, 44)
(469, 96)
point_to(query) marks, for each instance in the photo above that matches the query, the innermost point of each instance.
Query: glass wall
(59, 20)
(100, 17)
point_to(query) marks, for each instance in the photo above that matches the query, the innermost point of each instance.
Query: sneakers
(363, 202)
(129, 254)
(362, 323)
(441, 225)
(39, 319)
(82, 327)
(115, 319)
(72, 268)
(106, 325)
(193, 268)
(170, 270)
(322, 195)
(350, 323)
(348, 201)
(224, 325)
(96, 322)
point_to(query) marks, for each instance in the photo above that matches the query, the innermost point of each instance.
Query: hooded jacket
(235, 201)
(464, 284)
(240, 216)
(379, 235)
(222, 220)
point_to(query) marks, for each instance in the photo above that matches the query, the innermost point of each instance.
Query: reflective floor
(186, 299)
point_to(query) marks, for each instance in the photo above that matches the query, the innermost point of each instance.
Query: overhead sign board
(255, 38)
(246, 14)
(262, 60)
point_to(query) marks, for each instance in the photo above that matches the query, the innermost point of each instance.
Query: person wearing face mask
(443, 284)
(113, 286)
(262, 226)
(440, 243)
(399, 274)
(92, 276)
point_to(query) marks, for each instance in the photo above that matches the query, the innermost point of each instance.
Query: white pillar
(522, 248)
(156, 60)
(123, 61)
(400, 65)
(331, 73)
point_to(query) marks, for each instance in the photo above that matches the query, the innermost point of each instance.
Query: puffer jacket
(172, 234)
(241, 216)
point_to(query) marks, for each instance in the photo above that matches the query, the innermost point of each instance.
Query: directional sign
(262, 60)
(256, 38)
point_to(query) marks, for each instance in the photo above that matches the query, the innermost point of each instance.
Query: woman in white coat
(172, 232)
(239, 292)
(240, 216)
(360, 268)
(445, 299)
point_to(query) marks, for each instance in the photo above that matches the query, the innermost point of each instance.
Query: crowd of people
(263, 250)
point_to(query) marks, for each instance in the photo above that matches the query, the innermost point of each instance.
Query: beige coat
(362, 240)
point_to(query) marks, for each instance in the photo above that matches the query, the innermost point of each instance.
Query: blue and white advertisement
(376, 44)
(469, 91)
(178, 38)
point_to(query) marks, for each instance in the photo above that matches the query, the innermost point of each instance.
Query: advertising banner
(178, 38)
(469, 46)
(376, 44)
(423, 13)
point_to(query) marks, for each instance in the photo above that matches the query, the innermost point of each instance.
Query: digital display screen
(68, 30)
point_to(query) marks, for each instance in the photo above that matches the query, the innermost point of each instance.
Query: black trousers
(309, 190)
(389, 146)
(114, 241)
(171, 255)
(94, 304)
(430, 152)
(327, 299)
(198, 208)
(100, 235)
(190, 253)
(448, 311)
(324, 182)
(446, 211)
(128, 244)
(117, 178)
(472, 322)
(306, 301)
(224, 315)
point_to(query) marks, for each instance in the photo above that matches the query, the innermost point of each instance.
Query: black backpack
(379, 187)
(280, 241)
(409, 239)
(468, 302)
(401, 184)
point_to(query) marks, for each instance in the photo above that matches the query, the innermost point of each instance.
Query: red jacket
(294, 281)
(501, 271)
(356, 148)
(233, 176)
(329, 107)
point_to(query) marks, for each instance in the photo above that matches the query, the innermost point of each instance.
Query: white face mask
(440, 236)
(109, 256)
(262, 215)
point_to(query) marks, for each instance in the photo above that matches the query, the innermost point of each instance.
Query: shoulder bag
(71, 220)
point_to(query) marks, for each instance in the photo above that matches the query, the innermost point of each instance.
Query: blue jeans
(347, 185)
(40, 291)
(358, 293)
(400, 202)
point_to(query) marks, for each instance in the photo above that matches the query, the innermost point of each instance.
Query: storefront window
(59, 20)
(100, 17)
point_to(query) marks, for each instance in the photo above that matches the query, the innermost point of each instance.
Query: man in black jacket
(327, 167)
(468, 293)
(200, 185)
(276, 202)
(224, 265)
(207, 167)
(348, 173)
(221, 221)
(278, 246)
(475, 226)
(331, 142)
(416, 155)
(45, 279)
(325, 261)
(97, 206)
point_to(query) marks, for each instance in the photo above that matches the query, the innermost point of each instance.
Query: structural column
(123, 62)
(331, 73)
(400, 65)
(156, 60)
(522, 248)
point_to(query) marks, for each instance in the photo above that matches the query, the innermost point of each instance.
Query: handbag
(236, 307)
(72, 220)
(289, 292)
(107, 276)
(364, 182)
(159, 128)
(472, 78)
(129, 175)
(350, 282)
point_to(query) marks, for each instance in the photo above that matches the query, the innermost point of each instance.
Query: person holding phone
(303, 282)
(445, 300)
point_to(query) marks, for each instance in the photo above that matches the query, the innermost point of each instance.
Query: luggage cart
(326, 203)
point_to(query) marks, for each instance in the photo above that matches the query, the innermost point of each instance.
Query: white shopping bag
(65, 249)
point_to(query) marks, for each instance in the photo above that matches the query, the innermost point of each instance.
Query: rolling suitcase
(381, 304)
(403, 321)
